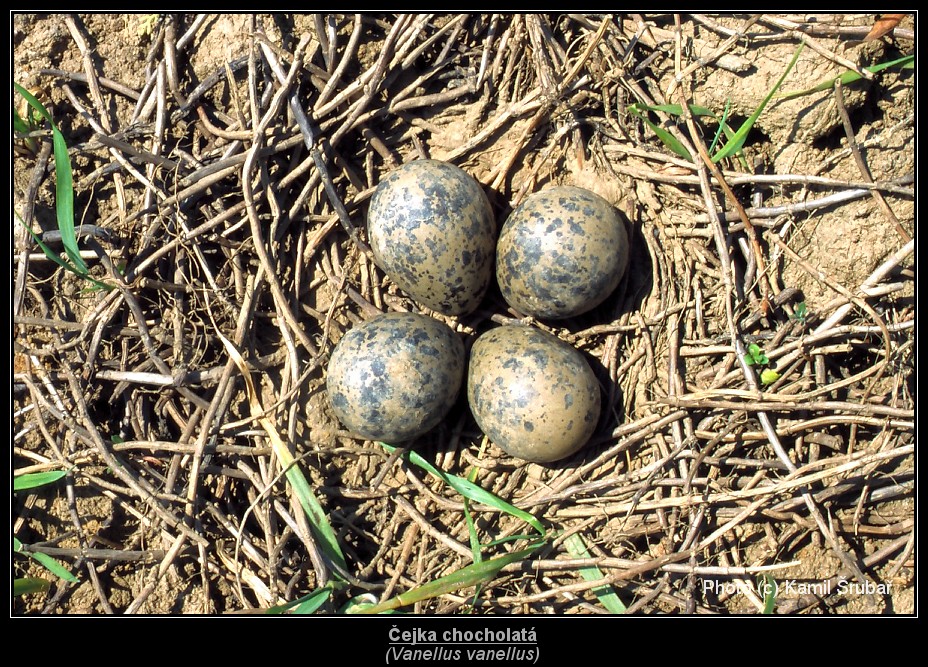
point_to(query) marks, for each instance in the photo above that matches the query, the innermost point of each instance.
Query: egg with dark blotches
(561, 253)
(395, 377)
(432, 231)
(534, 395)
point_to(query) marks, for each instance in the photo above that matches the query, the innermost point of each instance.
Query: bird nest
(756, 363)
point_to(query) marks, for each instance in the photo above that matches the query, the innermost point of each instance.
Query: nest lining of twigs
(229, 216)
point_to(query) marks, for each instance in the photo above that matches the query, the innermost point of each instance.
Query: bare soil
(224, 219)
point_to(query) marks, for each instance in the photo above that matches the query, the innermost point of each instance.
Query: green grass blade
(475, 547)
(50, 563)
(770, 594)
(471, 525)
(53, 566)
(736, 142)
(669, 140)
(62, 263)
(470, 490)
(359, 604)
(36, 479)
(606, 594)
(19, 125)
(30, 585)
(672, 109)
(677, 110)
(723, 127)
(307, 604)
(470, 575)
(64, 184)
(316, 515)
(319, 522)
(64, 200)
(313, 601)
(906, 62)
(509, 538)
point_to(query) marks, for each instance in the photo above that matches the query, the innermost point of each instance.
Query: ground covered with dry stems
(222, 169)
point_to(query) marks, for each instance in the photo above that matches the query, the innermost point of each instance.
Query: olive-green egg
(395, 377)
(533, 394)
(561, 253)
(432, 231)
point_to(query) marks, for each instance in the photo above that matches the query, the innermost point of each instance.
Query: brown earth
(175, 502)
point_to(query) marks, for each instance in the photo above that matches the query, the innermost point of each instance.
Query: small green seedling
(64, 190)
(736, 138)
(483, 569)
(756, 357)
(470, 575)
(605, 593)
(767, 585)
(25, 585)
(478, 573)
(147, 23)
(64, 187)
(800, 313)
(671, 142)
(906, 62)
(26, 126)
(768, 376)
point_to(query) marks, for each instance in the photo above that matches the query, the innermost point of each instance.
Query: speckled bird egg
(534, 395)
(433, 232)
(561, 253)
(395, 377)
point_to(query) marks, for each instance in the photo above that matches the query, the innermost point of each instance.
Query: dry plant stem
(633, 169)
(557, 90)
(569, 564)
(115, 86)
(795, 481)
(127, 555)
(812, 28)
(347, 55)
(789, 209)
(909, 548)
(861, 164)
(429, 529)
(97, 97)
(615, 578)
(310, 140)
(852, 299)
(790, 352)
(722, 249)
(145, 335)
(22, 236)
(768, 288)
(155, 577)
(773, 403)
(891, 263)
(218, 406)
(102, 131)
(141, 489)
(280, 299)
